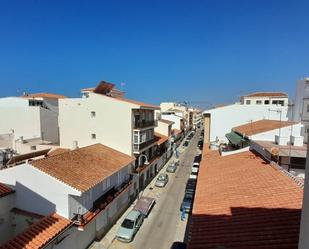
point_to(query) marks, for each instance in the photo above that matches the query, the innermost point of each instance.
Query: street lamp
(139, 163)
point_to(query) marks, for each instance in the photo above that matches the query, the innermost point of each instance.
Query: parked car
(161, 180)
(171, 168)
(193, 175)
(187, 201)
(186, 143)
(196, 164)
(130, 226)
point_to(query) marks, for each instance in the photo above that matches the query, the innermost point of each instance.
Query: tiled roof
(242, 202)
(267, 94)
(83, 168)
(5, 190)
(138, 103)
(57, 151)
(166, 121)
(39, 234)
(44, 95)
(261, 126)
(162, 138)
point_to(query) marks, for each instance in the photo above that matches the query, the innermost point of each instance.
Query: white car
(194, 170)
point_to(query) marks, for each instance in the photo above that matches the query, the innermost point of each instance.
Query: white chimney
(75, 145)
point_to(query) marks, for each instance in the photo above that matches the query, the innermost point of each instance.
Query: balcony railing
(138, 147)
(144, 123)
(101, 204)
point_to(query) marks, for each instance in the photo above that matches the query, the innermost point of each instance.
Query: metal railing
(139, 147)
(144, 123)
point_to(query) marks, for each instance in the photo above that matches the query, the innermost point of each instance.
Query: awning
(234, 138)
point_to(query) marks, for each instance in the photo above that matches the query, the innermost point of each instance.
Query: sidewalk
(109, 241)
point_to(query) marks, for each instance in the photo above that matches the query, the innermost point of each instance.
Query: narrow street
(164, 226)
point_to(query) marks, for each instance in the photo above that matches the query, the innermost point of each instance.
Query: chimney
(75, 145)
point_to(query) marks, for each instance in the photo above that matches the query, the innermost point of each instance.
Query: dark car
(187, 201)
(185, 144)
(178, 245)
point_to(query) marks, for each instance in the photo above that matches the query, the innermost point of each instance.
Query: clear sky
(210, 51)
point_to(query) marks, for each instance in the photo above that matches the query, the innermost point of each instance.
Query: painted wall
(223, 119)
(28, 121)
(254, 99)
(112, 123)
(175, 119)
(25, 121)
(163, 128)
(36, 191)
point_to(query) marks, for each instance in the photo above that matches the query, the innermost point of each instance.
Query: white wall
(162, 128)
(36, 191)
(24, 120)
(28, 121)
(173, 118)
(223, 119)
(112, 123)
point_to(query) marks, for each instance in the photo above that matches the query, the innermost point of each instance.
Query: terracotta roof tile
(44, 95)
(261, 126)
(242, 202)
(142, 104)
(57, 151)
(85, 167)
(5, 190)
(39, 234)
(162, 138)
(267, 94)
(166, 121)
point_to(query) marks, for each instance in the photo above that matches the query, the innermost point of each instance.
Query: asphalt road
(161, 227)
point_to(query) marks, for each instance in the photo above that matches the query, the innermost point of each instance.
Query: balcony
(138, 147)
(144, 124)
(102, 203)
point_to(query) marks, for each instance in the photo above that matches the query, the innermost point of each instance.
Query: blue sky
(209, 51)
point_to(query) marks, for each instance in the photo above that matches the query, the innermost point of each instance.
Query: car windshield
(161, 177)
(127, 224)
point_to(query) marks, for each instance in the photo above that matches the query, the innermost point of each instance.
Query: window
(259, 102)
(93, 114)
(275, 102)
(33, 147)
(93, 136)
(281, 102)
(266, 102)
(248, 102)
(307, 107)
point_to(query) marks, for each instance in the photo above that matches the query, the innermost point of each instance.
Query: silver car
(130, 226)
(161, 180)
(171, 168)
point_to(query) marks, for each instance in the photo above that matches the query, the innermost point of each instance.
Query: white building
(178, 121)
(265, 98)
(301, 105)
(88, 188)
(104, 116)
(31, 116)
(164, 127)
(219, 121)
